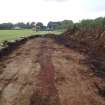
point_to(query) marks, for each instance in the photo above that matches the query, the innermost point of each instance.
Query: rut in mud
(43, 72)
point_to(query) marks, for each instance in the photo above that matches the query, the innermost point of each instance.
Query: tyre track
(46, 93)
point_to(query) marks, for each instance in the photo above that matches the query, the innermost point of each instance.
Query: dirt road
(42, 72)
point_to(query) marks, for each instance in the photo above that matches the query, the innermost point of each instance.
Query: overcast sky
(50, 10)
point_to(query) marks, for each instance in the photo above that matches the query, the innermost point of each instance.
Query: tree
(39, 26)
(6, 26)
(28, 25)
(67, 24)
(21, 25)
(100, 22)
(60, 25)
(32, 24)
(53, 25)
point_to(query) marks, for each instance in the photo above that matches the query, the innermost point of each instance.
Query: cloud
(57, 0)
(94, 5)
(50, 10)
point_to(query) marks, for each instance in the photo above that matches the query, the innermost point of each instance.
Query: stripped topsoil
(42, 71)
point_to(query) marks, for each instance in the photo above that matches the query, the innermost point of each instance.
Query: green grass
(15, 34)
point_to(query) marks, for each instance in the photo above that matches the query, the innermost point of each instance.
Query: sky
(50, 10)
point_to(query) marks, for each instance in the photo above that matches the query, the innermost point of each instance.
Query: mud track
(43, 72)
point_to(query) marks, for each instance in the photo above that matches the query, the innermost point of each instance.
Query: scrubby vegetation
(91, 33)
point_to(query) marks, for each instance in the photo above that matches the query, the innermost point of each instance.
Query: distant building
(17, 28)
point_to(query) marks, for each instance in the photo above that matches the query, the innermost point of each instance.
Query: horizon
(50, 10)
(49, 21)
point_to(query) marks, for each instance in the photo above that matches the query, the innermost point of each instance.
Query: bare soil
(43, 72)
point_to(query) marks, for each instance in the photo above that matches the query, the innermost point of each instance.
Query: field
(15, 34)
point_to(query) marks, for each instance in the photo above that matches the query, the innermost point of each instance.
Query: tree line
(39, 25)
(59, 25)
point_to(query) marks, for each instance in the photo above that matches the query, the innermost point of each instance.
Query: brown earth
(43, 72)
